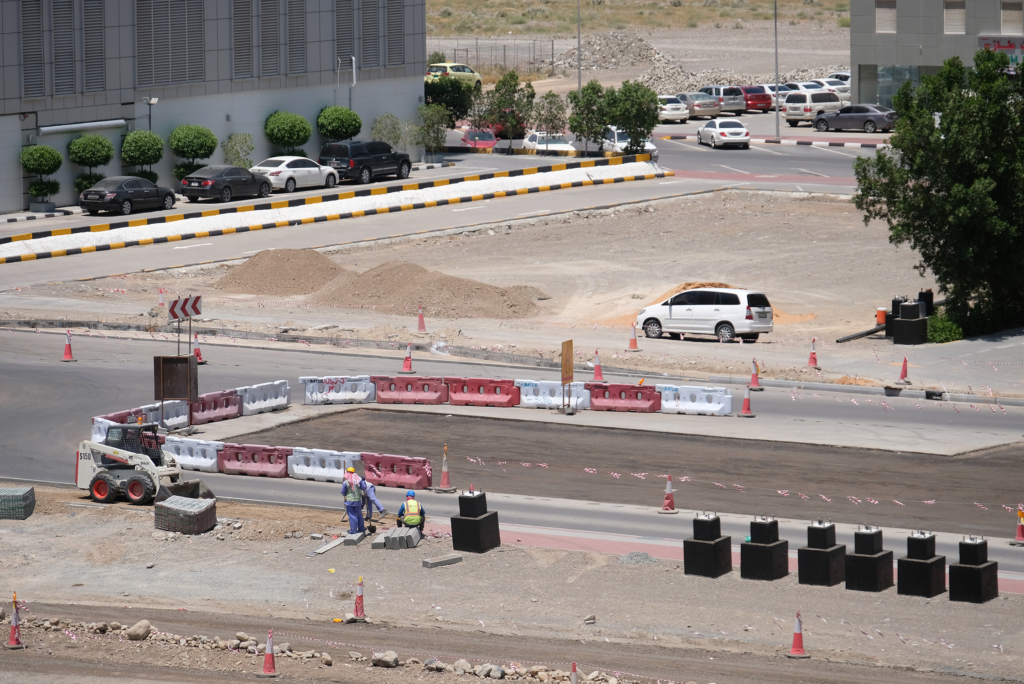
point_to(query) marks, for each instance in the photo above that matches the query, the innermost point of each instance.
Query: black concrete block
(476, 535)
(910, 332)
(764, 561)
(974, 583)
(472, 505)
(707, 529)
(707, 558)
(764, 531)
(921, 548)
(974, 552)
(822, 567)
(867, 542)
(821, 536)
(919, 577)
(869, 572)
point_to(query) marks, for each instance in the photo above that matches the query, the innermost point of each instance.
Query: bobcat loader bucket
(192, 489)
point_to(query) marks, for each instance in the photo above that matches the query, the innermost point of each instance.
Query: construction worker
(411, 514)
(352, 489)
(372, 502)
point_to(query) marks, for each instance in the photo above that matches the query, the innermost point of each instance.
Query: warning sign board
(567, 362)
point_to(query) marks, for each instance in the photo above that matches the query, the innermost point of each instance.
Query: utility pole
(579, 52)
(778, 131)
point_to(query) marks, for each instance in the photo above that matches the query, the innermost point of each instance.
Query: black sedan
(866, 117)
(224, 182)
(125, 194)
(362, 161)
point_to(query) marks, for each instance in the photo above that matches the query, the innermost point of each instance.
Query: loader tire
(139, 490)
(103, 488)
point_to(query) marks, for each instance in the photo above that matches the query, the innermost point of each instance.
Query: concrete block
(354, 539)
(391, 539)
(380, 542)
(450, 559)
(403, 538)
(414, 537)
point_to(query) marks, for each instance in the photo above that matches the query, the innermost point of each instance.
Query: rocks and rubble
(673, 78)
(611, 51)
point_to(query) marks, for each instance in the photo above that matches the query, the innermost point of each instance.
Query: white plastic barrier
(321, 465)
(339, 389)
(265, 397)
(194, 454)
(548, 394)
(99, 429)
(695, 401)
(175, 414)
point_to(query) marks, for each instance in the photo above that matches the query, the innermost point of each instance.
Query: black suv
(362, 161)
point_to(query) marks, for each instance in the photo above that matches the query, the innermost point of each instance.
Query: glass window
(707, 298)
(754, 90)
(730, 124)
(728, 299)
(296, 164)
(879, 83)
(270, 163)
(671, 100)
(684, 299)
(108, 184)
(133, 185)
(335, 151)
(885, 16)
(732, 92)
(796, 98)
(756, 299)
(1012, 19)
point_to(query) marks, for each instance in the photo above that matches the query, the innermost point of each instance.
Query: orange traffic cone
(407, 364)
(669, 505)
(1019, 541)
(755, 371)
(904, 380)
(446, 485)
(269, 668)
(422, 324)
(573, 677)
(67, 349)
(15, 643)
(745, 412)
(199, 355)
(598, 375)
(812, 362)
(358, 612)
(798, 640)
(161, 301)
(632, 340)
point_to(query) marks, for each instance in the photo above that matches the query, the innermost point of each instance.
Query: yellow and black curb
(539, 152)
(357, 214)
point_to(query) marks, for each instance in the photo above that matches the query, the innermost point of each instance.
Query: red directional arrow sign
(185, 308)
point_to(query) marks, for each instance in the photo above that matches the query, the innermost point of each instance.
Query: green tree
(550, 114)
(90, 151)
(950, 187)
(511, 106)
(237, 148)
(42, 160)
(289, 132)
(453, 94)
(142, 148)
(434, 131)
(387, 128)
(337, 123)
(191, 143)
(589, 118)
(436, 58)
(633, 110)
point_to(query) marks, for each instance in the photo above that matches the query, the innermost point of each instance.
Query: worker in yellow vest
(411, 514)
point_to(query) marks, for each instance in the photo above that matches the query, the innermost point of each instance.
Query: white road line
(764, 148)
(799, 188)
(467, 209)
(670, 182)
(539, 211)
(732, 169)
(202, 244)
(811, 172)
(686, 145)
(833, 151)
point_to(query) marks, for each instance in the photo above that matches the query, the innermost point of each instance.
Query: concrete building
(893, 41)
(71, 66)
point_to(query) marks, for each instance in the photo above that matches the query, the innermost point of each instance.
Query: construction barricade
(320, 464)
(215, 406)
(265, 397)
(99, 428)
(194, 454)
(406, 472)
(339, 389)
(695, 401)
(607, 396)
(252, 459)
(175, 414)
(482, 392)
(548, 394)
(412, 390)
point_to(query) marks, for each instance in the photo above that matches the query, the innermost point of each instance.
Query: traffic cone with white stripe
(573, 677)
(669, 505)
(598, 375)
(358, 611)
(161, 301)
(446, 485)
(797, 651)
(199, 355)
(745, 412)
(755, 371)
(422, 327)
(269, 666)
(407, 364)
(812, 362)
(904, 380)
(632, 340)
(15, 642)
(67, 349)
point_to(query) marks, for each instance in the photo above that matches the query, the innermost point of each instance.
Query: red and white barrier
(619, 397)
(414, 390)
(253, 459)
(339, 389)
(482, 392)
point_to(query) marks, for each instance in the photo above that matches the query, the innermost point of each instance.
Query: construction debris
(673, 78)
(611, 51)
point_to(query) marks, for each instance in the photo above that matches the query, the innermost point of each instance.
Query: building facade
(893, 41)
(74, 66)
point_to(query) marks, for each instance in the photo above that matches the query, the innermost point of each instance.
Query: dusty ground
(90, 564)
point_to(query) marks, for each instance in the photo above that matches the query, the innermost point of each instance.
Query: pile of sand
(400, 287)
(281, 272)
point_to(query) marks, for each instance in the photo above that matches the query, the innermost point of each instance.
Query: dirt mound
(399, 287)
(281, 272)
(671, 78)
(611, 51)
(687, 286)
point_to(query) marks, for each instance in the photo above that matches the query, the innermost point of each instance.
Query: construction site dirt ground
(546, 279)
(516, 603)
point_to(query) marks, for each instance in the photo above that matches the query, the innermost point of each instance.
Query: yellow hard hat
(351, 470)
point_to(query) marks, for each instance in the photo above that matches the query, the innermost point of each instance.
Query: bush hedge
(338, 123)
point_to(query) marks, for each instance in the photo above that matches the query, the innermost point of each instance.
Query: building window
(63, 47)
(241, 38)
(344, 31)
(954, 16)
(270, 38)
(296, 36)
(32, 48)
(1012, 19)
(169, 41)
(370, 34)
(396, 32)
(92, 46)
(885, 16)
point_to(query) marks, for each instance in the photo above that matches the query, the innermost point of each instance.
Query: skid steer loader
(130, 462)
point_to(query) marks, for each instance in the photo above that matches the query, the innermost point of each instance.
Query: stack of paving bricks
(397, 538)
(188, 516)
(17, 503)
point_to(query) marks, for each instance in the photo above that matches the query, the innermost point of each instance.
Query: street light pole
(150, 101)
(778, 132)
(579, 53)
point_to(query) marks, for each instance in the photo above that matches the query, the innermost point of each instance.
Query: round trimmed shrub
(191, 143)
(84, 181)
(44, 189)
(286, 129)
(338, 123)
(91, 151)
(41, 160)
(142, 148)
(151, 176)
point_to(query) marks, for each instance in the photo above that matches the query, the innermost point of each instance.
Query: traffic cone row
(632, 340)
(198, 353)
(407, 364)
(812, 362)
(67, 349)
(598, 375)
(755, 371)
(15, 642)
(422, 327)
(669, 505)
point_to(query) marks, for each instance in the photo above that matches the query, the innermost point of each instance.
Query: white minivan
(725, 313)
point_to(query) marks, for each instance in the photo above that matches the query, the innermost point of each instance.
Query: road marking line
(467, 209)
(539, 211)
(202, 244)
(833, 151)
(732, 169)
(670, 182)
(815, 173)
(765, 149)
(687, 145)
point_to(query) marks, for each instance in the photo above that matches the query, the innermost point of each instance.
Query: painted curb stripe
(284, 204)
(332, 217)
(809, 143)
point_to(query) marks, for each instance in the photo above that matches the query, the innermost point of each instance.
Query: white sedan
(289, 173)
(617, 141)
(722, 133)
(553, 142)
